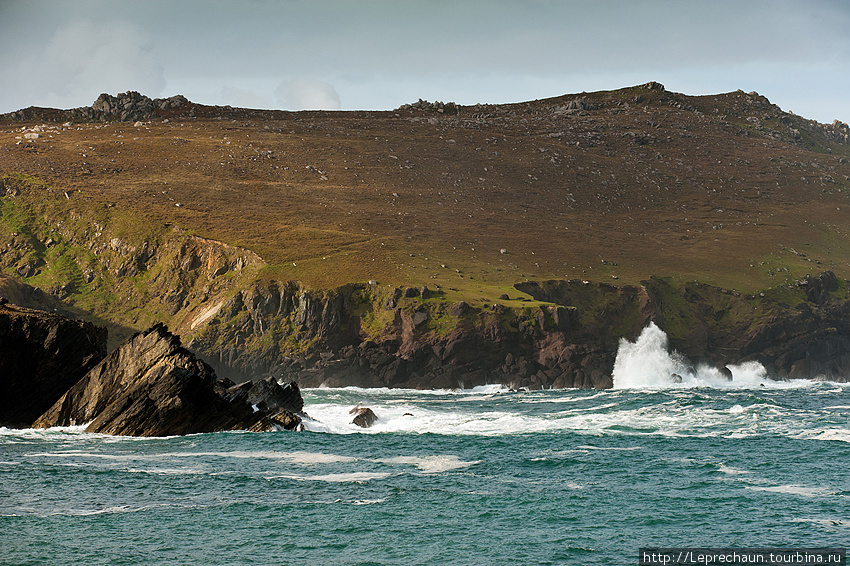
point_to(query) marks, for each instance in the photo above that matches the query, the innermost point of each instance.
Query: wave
(647, 363)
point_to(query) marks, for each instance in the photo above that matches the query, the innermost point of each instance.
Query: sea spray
(647, 363)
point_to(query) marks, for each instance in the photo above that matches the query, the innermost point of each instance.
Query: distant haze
(370, 54)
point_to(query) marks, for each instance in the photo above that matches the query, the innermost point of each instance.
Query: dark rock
(364, 417)
(267, 394)
(460, 308)
(152, 386)
(41, 356)
(280, 420)
(726, 373)
(410, 292)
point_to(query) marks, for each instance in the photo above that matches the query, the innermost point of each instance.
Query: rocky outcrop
(128, 106)
(152, 386)
(41, 356)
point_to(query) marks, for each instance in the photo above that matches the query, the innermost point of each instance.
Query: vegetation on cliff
(541, 232)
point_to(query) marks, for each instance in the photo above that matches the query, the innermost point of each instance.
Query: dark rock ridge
(796, 331)
(152, 386)
(128, 106)
(41, 355)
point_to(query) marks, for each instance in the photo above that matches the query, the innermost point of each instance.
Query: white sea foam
(731, 471)
(432, 464)
(614, 448)
(335, 478)
(168, 471)
(830, 522)
(647, 363)
(840, 434)
(395, 392)
(805, 491)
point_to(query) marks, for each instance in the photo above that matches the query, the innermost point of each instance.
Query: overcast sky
(380, 54)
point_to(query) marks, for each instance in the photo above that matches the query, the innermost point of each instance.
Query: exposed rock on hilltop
(41, 356)
(129, 106)
(152, 386)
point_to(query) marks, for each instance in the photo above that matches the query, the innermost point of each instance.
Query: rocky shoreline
(148, 386)
(56, 371)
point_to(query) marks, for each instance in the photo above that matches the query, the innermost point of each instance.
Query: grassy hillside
(611, 186)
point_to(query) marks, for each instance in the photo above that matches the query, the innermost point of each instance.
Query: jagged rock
(280, 420)
(41, 356)
(151, 386)
(364, 417)
(268, 395)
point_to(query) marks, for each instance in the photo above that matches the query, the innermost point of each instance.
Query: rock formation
(41, 355)
(152, 386)
(364, 417)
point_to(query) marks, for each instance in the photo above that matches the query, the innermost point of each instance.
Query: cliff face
(795, 331)
(377, 337)
(42, 355)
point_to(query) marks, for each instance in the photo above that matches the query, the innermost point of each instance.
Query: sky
(380, 54)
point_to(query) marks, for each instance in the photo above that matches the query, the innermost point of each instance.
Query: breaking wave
(648, 363)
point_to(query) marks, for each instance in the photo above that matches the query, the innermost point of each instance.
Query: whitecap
(805, 491)
(167, 471)
(432, 464)
(615, 448)
(335, 478)
(731, 471)
(829, 522)
(840, 434)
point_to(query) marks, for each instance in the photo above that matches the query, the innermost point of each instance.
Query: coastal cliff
(371, 337)
(41, 355)
(440, 245)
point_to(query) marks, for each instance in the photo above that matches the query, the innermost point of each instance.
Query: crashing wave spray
(646, 362)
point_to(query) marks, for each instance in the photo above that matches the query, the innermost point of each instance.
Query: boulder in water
(364, 417)
(726, 373)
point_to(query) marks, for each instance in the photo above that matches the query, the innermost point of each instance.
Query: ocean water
(476, 477)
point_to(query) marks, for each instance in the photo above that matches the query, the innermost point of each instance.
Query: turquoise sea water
(473, 477)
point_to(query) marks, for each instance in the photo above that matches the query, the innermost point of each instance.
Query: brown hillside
(627, 184)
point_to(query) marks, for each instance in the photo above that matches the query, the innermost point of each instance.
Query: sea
(482, 476)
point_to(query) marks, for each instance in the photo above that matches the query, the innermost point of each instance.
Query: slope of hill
(614, 187)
